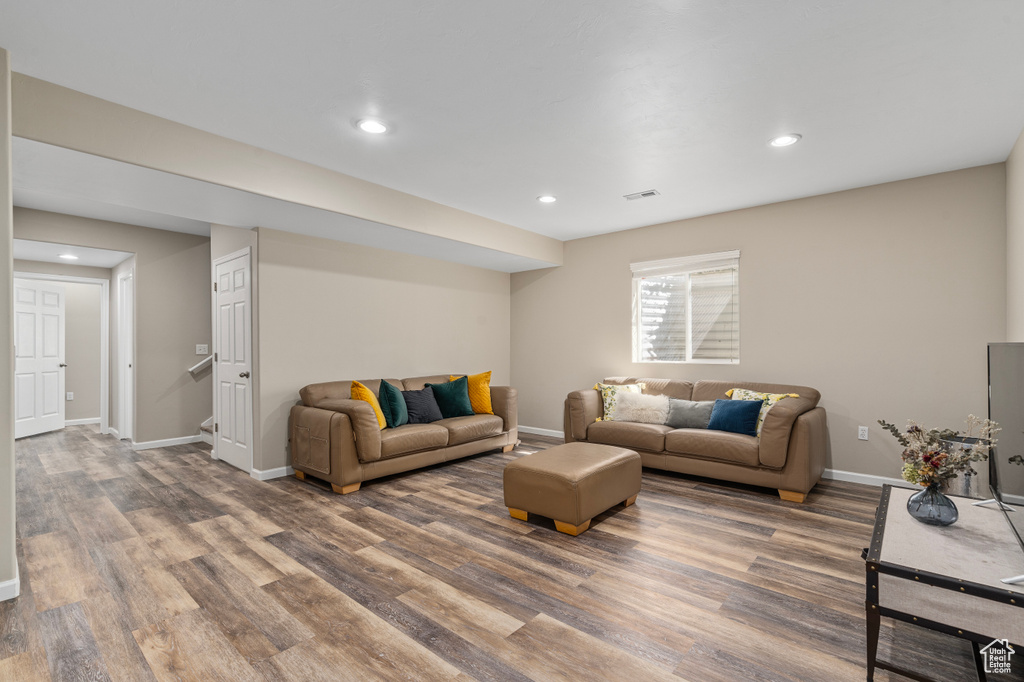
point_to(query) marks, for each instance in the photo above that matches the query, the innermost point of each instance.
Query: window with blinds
(687, 309)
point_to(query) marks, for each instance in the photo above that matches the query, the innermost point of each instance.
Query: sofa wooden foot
(630, 501)
(301, 475)
(517, 514)
(563, 527)
(345, 489)
(509, 448)
(790, 496)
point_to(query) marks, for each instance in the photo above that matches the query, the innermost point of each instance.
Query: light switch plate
(71, 395)
(862, 432)
(202, 349)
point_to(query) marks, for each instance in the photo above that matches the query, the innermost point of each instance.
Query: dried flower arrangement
(936, 456)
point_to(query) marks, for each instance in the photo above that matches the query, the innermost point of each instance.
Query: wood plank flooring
(167, 565)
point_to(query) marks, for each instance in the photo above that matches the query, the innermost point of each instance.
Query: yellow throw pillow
(360, 392)
(479, 391)
(769, 400)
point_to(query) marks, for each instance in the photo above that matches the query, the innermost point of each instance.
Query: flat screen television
(1006, 407)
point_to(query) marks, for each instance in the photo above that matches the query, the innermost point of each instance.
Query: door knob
(63, 364)
(244, 375)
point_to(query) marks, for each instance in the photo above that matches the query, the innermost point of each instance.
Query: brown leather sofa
(789, 455)
(338, 439)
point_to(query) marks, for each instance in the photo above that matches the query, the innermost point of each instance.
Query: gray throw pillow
(689, 414)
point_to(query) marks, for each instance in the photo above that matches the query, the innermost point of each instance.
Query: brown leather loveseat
(339, 440)
(788, 455)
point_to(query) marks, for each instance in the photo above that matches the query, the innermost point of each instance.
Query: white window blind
(687, 309)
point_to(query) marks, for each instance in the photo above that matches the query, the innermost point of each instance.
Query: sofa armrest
(505, 403)
(582, 408)
(777, 428)
(808, 451)
(365, 429)
(322, 445)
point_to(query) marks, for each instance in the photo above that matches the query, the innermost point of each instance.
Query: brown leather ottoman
(572, 483)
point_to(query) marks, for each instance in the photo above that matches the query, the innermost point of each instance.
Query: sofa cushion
(422, 406)
(645, 409)
(681, 390)
(402, 440)
(360, 392)
(473, 427)
(630, 435)
(416, 383)
(392, 404)
(610, 394)
(718, 390)
(689, 414)
(767, 400)
(718, 445)
(479, 392)
(453, 398)
(735, 416)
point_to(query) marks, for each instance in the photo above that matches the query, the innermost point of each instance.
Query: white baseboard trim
(206, 437)
(9, 589)
(79, 422)
(267, 474)
(167, 442)
(869, 479)
(541, 432)
(114, 432)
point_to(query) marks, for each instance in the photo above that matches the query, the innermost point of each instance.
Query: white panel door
(233, 348)
(38, 357)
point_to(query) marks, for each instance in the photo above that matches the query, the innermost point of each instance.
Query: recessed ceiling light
(547, 199)
(372, 125)
(784, 140)
(68, 256)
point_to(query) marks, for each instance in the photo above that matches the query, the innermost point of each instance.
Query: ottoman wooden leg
(562, 527)
(345, 489)
(630, 501)
(517, 514)
(301, 475)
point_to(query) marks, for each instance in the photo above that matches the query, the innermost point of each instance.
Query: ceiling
(46, 252)
(494, 104)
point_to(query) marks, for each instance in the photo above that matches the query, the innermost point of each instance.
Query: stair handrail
(194, 369)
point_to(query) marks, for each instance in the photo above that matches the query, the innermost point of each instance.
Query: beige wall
(883, 298)
(172, 281)
(83, 337)
(8, 561)
(332, 311)
(1015, 242)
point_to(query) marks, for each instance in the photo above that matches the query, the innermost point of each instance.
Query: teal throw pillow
(736, 416)
(453, 398)
(392, 404)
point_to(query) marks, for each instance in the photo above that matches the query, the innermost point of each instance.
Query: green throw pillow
(453, 398)
(392, 404)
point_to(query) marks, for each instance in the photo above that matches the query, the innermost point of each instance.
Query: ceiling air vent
(642, 195)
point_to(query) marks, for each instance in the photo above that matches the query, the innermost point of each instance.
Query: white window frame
(685, 265)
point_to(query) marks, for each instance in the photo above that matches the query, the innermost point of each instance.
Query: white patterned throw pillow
(646, 409)
(769, 400)
(610, 394)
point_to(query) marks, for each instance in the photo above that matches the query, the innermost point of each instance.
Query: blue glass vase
(932, 507)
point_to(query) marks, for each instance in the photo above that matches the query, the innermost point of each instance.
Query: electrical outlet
(862, 432)
(202, 349)
(71, 395)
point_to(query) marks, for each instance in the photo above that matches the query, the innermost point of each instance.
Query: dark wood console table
(943, 578)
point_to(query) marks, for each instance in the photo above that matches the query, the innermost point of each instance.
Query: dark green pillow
(392, 404)
(453, 398)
